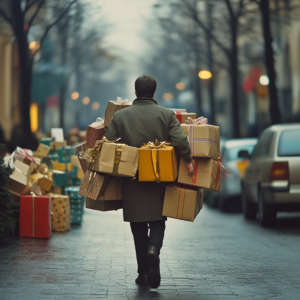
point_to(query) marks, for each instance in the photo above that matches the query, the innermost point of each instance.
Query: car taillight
(279, 171)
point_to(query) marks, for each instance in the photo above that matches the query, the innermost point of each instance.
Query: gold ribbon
(91, 154)
(155, 156)
(118, 153)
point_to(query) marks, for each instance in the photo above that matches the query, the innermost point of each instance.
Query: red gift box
(95, 132)
(35, 216)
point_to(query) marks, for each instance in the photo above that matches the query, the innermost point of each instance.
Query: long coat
(142, 122)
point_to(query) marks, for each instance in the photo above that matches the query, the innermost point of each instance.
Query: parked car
(231, 191)
(272, 179)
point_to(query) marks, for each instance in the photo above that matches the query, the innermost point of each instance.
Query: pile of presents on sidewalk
(46, 182)
(105, 162)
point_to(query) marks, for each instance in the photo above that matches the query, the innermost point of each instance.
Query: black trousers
(143, 240)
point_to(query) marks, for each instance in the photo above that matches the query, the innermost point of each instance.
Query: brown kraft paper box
(204, 140)
(182, 202)
(183, 116)
(117, 160)
(113, 190)
(112, 107)
(94, 133)
(207, 174)
(103, 205)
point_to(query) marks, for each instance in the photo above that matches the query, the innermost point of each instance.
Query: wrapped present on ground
(114, 106)
(57, 190)
(35, 216)
(207, 174)
(20, 176)
(80, 149)
(182, 202)
(42, 181)
(157, 162)
(113, 190)
(183, 116)
(42, 151)
(46, 141)
(94, 185)
(60, 178)
(114, 159)
(26, 156)
(72, 191)
(64, 154)
(76, 216)
(204, 140)
(62, 166)
(95, 132)
(61, 212)
(104, 205)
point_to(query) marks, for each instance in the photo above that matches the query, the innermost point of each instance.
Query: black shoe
(142, 280)
(154, 273)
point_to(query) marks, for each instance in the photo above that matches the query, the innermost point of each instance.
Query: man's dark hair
(145, 86)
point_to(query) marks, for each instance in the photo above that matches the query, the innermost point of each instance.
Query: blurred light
(95, 105)
(180, 86)
(34, 114)
(264, 80)
(74, 95)
(34, 46)
(85, 100)
(204, 74)
(168, 96)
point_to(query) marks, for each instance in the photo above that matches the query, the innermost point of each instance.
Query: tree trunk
(269, 61)
(234, 82)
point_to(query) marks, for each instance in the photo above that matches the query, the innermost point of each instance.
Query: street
(219, 256)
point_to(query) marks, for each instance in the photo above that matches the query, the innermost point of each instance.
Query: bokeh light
(74, 95)
(204, 74)
(86, 100)
(168, 96)
(95, 105)
(264, 80)
(180, 86)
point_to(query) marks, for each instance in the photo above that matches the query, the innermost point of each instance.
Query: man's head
(145, 86)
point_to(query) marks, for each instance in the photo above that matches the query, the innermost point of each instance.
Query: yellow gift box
(157, 162)
(61, 166)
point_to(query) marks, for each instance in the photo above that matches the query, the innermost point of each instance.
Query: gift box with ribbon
(104, 205)
(93, 185)
(112, 107)
(81, 148)
(183, 116)
(61, 212)
(157, 162)
(207, 174)
(95, 132)
(42, 181)
(204, 140)
(182, 202)
(26, 156)
(112, 158)
(35, 216)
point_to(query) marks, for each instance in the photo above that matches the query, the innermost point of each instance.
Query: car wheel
(249, 208)
(266, 214)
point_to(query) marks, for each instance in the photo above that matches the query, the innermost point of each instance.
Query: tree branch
(230, 9)
(35, 14)
(6, 17)
(54, 23)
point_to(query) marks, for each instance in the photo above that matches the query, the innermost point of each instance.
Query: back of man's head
(145, 86)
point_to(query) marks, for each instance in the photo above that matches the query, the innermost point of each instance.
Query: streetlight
(95, 105)
(264, 80)
(74, 95)
(180, 86)
(168, 96)
(85, 100)
(204, 74)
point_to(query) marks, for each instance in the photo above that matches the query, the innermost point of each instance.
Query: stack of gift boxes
(38, 183)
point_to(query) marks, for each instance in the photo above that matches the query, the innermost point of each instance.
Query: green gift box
(76, 217)
(72, 191)
(46, 141)
(64, 154)
(60, 178)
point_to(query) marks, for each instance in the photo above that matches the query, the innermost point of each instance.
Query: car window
(289, 143)
(232, 153)
(264, 151)
(260, 145)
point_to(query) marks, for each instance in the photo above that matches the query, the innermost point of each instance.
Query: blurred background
(235, 62)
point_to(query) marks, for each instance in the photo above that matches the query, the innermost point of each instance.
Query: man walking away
(143, 201)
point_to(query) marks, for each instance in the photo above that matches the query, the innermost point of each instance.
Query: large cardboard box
(157, 164)
(112, 107)
(204, 140)
(19, 178)
(61, 212)
(103, 205)
(116, 159)
(183, 116)
(207, 174)
(94, 185)
(95, 132)
(35, 216)
(113, 190)
(182, 202)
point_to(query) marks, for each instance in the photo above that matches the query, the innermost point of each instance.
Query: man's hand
(191, 167)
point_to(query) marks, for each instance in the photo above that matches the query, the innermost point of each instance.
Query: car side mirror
(244, 154)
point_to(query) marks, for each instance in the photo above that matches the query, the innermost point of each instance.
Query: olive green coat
(142, 122)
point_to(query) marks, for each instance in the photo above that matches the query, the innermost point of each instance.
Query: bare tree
(21, 15)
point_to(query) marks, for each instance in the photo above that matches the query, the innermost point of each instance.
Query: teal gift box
(64, 154)
(60, 178)
(46, 141)
(72, 191)
(76, 217)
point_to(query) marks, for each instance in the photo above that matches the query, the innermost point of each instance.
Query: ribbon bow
(9, 161)
(157, 144)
